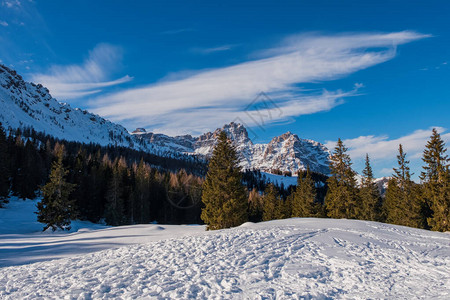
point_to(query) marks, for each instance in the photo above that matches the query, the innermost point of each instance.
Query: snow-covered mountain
(286, 152)
(25, 104)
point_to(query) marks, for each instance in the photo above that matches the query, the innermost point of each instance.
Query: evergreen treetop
(436, 182)
(369, 194)
(341, 165)
(304, 201)
(56, 208)
(435, 159)
(224, 197)
(403, 204)
(273, 205)
(402, 174)
(342, 199)
(4, 167)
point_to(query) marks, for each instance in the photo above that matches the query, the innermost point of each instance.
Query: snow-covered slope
(286, 259)
(25, 104)
(287, 152)
(280, 179)
(22, 240)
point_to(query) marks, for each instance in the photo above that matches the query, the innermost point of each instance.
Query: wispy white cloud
(382, 147)
(212, 49)
(436, 67)
(197, 120)
(11, 3)
(383, 150)
(213, 96)
(385, 172)
(3, 23)
(74, 81)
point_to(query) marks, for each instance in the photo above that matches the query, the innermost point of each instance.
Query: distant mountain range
(286, 152)
(24, 104)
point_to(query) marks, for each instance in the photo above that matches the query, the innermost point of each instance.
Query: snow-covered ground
(22, 240)
(278, 179)
(286, 259)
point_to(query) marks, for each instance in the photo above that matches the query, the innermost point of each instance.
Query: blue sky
(374, 73)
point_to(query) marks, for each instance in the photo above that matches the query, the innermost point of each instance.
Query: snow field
(286, 259)
(22, 240)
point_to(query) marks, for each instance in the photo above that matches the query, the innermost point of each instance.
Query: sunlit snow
(286, 259)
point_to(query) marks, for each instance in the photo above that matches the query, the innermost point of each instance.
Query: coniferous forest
(111, 184)
(121, 186)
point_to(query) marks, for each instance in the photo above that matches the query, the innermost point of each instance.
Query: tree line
(422, 205)
(121, 186)
(114, 185)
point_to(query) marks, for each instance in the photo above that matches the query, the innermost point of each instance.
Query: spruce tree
(304, 201)
(436, 182)
(29, 172)
(4, 167)
(403, 205)
(287, 206)
(255, 206)
(342, 199)
(115, 202)
(140, 208)
(273, 208)
(370, 195)
(56, 208)
(224, 197)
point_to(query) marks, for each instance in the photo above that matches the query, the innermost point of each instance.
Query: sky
(373, 73)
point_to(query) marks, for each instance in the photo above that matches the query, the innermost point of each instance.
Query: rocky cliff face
(287, 152)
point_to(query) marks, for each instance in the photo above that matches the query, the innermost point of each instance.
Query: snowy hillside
(287, 152)
(25, 104)
(280, 179)
(286, 259)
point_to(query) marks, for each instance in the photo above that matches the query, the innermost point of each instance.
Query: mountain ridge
(26, 104)
(286, 153)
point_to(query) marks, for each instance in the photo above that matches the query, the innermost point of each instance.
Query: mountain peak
(139, 131)
(286, 152)
(236, 132)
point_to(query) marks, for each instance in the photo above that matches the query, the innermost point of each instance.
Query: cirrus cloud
(383, 150)
(382, 147)
(207, 98)
(75, 81)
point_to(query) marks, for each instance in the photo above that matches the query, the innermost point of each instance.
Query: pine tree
(56, 208)
(140, 208)
(17, 155)
(255, 206)
(224, 197)
(436, 181)
(115, 202)
(4, 167)
(304, 201)
(272, 204)
(402, 204)
(287, 206)
(370, 195)
(342, 199)
(29, 172)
